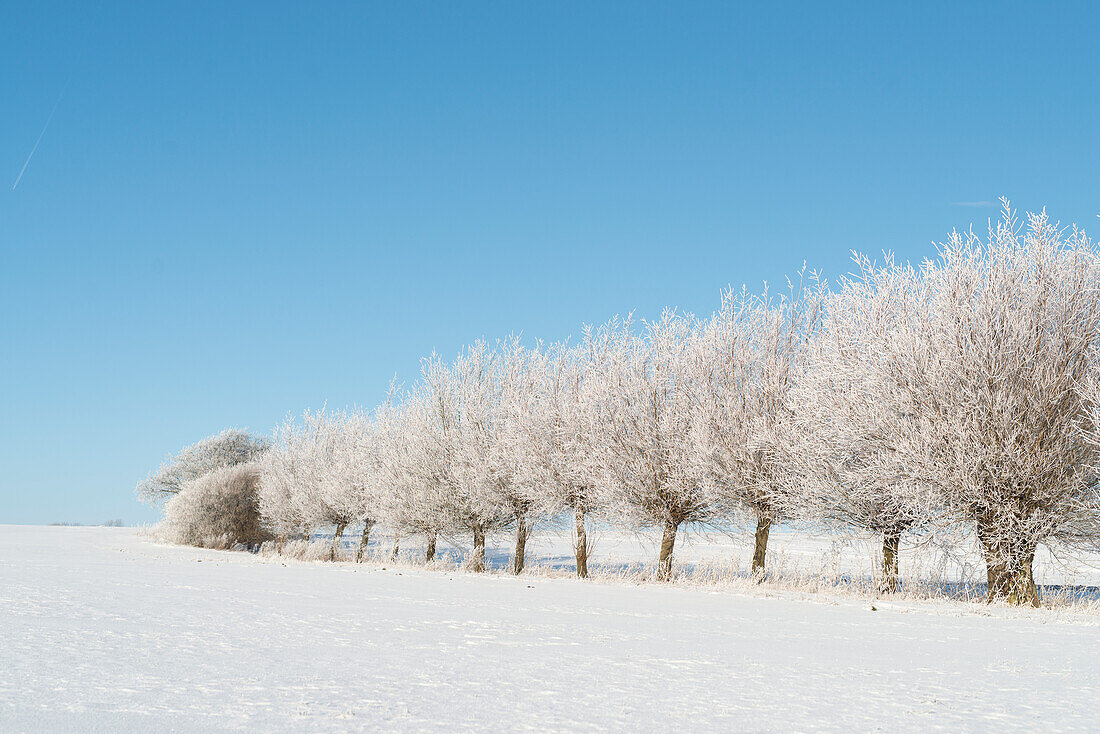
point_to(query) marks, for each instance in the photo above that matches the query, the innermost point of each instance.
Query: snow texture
(101, 629)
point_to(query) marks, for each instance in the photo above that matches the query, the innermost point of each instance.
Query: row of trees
(962, 394)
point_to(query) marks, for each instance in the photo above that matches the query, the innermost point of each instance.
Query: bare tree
(513, 395)
(277, 489)
(354, 476)
(995, 381)
(319, 491)
(415, 467)
(749, 353)
(645, 422)
(460, 431)
(556, 437)
(840, 453)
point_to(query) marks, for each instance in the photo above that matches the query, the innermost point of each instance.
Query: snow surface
(102, 629)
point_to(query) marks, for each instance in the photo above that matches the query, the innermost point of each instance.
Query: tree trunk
(1011, 580)
(363, 541)
(582, 547)
(1008, 569)
(521, 544)
(891, 542)
(1016, 586)
(760, 546)
(664, 560)
(307, 533)
(477, 563)
(396, 546)
(430, 555)
(280, 540)
(336, 540)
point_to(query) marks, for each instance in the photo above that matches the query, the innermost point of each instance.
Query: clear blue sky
(244, 209)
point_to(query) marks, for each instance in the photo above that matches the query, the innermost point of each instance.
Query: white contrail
(28, 161)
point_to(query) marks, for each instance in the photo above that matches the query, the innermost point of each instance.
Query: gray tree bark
(664, 560)
(430, 554)
(1008, 569)
(477, 563)
(760, 546)
(582, 547)
(1011, 579)
(521, 544)
(363, 541)
(891, 543)
(336, 540)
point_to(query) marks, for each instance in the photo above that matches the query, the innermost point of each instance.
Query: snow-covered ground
(102, 629)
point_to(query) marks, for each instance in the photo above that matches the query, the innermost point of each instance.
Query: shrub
(219, 509)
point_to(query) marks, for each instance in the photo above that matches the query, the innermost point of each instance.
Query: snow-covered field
(102, 629)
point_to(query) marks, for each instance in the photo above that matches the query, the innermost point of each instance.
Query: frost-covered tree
(415, 467)
(318, 491)
(965, 393)
(278, 484)
(556, 438)
(995, 379)
(484, 496)
(352, 475)
(458, 433)
(644, 430)
(511, 391)
(841, 451)
(748, 354)
(218, 509)
(228, 448)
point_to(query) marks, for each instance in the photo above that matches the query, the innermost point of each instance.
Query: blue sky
(240, 210)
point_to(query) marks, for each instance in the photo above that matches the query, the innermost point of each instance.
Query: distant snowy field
(102, 629)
